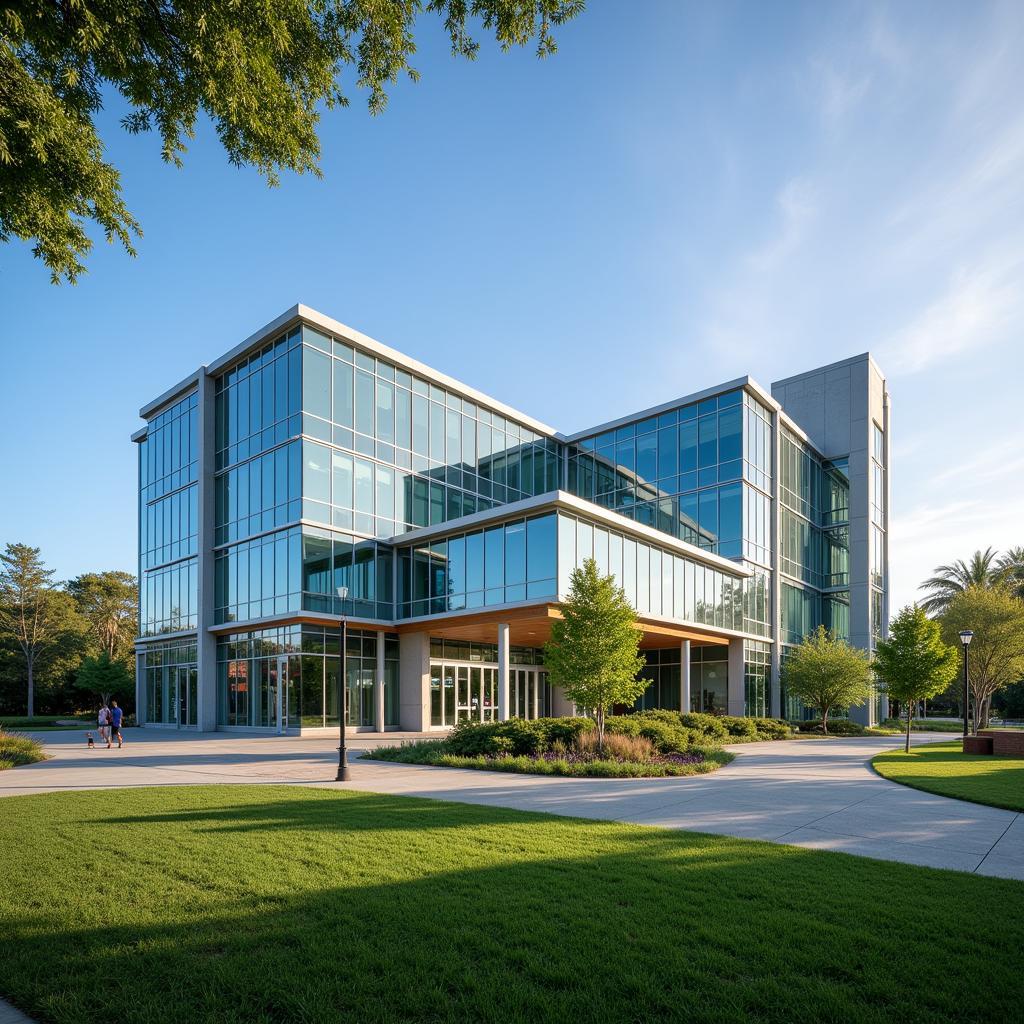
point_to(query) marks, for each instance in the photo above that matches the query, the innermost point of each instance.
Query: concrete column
(734, 683)
(414, 682)
(141, 696)
(536, 694)
(685, 696)
(378, 686)
(206, 717)
(503, 668)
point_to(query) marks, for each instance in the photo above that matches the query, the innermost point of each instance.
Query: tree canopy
(593, 650)
(261, 72)
(106, 678)
(827, 673)
(38, 620)
(107, 601)
(997, 650)
(914, 663)
(981, 570)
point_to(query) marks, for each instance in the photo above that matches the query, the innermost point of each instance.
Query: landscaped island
(643, 744)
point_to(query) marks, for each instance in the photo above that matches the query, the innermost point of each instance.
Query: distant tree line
(64, 646)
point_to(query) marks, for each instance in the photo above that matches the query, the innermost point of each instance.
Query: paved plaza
(820, 794)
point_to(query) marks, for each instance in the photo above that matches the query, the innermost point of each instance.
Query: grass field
(279, 904)
(943, 768)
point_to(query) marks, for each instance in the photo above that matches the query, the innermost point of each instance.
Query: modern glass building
(311, 457)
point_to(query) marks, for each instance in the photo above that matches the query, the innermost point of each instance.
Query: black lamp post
(966, 636)
(343, 775)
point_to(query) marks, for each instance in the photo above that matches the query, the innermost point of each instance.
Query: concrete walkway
(820, 794)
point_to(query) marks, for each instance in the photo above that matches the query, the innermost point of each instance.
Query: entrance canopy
(531, 627)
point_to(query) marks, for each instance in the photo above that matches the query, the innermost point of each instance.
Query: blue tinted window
(730, 433)
(515, 553)
(540, 548)
(316, 383)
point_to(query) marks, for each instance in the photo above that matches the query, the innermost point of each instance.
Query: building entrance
(462, 692)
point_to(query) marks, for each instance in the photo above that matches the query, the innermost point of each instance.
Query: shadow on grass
(201, 905)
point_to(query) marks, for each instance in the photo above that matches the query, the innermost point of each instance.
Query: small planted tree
(107, 679)
(827, 673)
(914, 663)
(593, 653)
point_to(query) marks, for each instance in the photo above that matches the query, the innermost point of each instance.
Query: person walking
(103, 722)
(116, 714)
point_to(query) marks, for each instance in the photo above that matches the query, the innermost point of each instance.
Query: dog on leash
(89, 741)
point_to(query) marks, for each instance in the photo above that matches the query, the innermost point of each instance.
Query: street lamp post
(343, 775)
(966, 636)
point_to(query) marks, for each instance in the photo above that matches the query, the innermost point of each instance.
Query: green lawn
(943, 768)
(47, 723)
(279, 904)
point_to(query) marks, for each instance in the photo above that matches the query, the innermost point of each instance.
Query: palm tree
(1010, 569)
(950, 580)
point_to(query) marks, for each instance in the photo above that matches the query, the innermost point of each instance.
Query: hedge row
(670, 731)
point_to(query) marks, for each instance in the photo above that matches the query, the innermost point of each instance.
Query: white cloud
(797, 206)
(978, 308)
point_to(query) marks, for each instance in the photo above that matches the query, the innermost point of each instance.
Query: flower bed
(566, 747)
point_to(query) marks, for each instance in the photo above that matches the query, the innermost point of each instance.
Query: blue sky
(683, 194)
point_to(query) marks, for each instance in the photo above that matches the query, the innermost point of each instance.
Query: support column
(734, 680)
(378, 686)
(536, 694)
(206, 718)
(503, 668)
(685, 696)
(414, 681)
(141, 693)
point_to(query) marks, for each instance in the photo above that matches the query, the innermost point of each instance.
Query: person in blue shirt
(116, 714)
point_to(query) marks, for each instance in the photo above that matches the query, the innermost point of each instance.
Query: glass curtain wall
(388, 451)
(169, 521)
(655, 581)
(680, 472)
(506, 563)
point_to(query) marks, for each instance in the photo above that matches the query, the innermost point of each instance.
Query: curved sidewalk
(820, 794)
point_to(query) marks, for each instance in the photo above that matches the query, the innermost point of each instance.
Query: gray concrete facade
(837, 407)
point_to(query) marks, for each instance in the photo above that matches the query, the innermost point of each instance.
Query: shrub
(638, 749)
(708, 726)
(17, 750)
(736, 726)
(772, 728)
(666, 733)
(566, 731)
(517, 736)
(836, 727)
(416, 752)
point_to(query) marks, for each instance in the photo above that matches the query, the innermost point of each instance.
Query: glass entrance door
(186, 695)
(469, 692)
(279, 694)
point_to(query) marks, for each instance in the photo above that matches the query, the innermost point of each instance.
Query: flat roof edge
(848, 361)
(148, 411)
